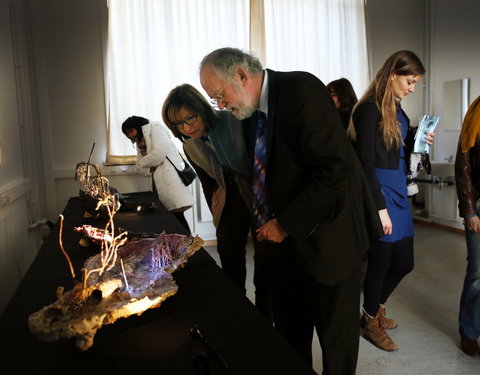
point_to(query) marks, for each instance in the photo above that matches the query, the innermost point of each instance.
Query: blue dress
(393, 184)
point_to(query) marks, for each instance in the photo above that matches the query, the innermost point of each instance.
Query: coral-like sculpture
(140, 279)
(125, 278)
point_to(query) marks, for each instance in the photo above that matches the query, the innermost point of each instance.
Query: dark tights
(388, 263)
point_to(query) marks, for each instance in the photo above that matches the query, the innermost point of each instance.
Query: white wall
(11, 166)
(455, 54)
(18, 244)
(70, 89)
(394, 25)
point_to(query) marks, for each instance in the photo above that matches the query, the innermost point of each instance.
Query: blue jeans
(469, 317)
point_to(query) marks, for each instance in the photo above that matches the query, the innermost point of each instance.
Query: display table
(158, 341)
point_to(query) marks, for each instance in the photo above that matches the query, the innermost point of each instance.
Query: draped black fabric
(158, 341)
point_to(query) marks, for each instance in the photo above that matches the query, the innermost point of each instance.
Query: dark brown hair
(345, 93)
(189, 97)
(134, 122)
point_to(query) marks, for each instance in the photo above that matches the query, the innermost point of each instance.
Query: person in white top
(154, 146)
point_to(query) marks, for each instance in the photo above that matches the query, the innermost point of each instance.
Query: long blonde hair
(402, 63)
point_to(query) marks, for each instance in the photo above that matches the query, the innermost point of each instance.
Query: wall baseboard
(429, 223)
(210, 243)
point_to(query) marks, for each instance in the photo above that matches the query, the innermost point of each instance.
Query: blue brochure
(427, 125)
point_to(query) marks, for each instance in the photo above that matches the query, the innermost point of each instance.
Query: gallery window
(155, 45)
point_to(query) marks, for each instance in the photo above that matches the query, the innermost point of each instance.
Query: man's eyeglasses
(217, 98)
(190, 120)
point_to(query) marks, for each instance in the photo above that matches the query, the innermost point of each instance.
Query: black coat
(315, 184)
(371, 148)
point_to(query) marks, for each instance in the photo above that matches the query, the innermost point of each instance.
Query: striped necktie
(260, 208)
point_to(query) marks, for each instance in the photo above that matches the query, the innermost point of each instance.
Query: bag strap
(174, 164)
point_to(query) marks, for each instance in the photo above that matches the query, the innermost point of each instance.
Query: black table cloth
(239, 339)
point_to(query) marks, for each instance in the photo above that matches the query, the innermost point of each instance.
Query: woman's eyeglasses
(190, 120)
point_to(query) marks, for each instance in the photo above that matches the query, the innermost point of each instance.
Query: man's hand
(271, 231)
(473, 224)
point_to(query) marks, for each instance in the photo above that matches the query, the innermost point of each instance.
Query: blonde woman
(380, 128)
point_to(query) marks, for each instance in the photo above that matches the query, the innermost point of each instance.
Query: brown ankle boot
(372, 330)
(387, 323)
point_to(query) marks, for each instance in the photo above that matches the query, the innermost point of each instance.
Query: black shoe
(470, 347)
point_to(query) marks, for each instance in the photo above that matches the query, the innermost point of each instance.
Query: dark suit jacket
(315, 185)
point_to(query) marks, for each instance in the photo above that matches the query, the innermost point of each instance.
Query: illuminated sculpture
(125, 278)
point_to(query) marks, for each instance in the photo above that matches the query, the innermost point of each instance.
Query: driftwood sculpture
(140, 279)
(125, 278)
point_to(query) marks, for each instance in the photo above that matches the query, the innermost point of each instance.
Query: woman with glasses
(214, 143)
(154, 146)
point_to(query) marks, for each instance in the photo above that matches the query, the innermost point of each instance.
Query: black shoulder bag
(187, 175)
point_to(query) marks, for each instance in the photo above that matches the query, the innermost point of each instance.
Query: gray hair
(225, 60)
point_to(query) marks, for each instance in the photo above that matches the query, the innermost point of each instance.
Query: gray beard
(244, 113)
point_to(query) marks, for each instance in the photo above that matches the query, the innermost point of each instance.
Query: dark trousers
(302, 304)
(232, 235)
(388, 263)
